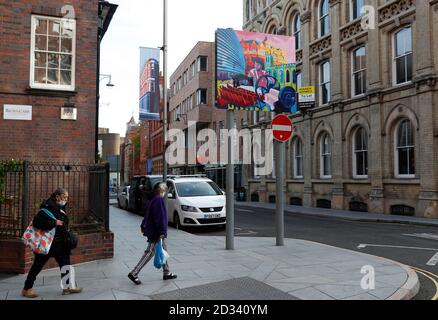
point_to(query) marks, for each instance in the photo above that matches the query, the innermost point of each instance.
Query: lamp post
(165, 120)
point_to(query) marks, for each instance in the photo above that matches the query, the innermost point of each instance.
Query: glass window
(198, 189)
(202, 96)
(325, 83)
(326, 157)
(356, 8)
(297, 31)
(298, 159)
(405, 151)
(52, 66)
(202, 63)
(324, 18)
(403, 56)
(360, 153)
(299, 80)
(359, 71)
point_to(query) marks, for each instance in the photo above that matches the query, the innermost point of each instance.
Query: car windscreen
(198, 189)
(154, 181)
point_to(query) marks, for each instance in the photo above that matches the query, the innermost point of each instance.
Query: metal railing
(26, 187)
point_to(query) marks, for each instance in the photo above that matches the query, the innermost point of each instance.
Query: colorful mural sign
(149, 84)
(255, 71)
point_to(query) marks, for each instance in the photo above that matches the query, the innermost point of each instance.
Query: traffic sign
(282, 128)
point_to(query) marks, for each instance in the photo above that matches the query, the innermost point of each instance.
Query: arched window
(359, 71)
(324, 18)
(299, 80)
(405, 150)
(325, 84)
(402, 68)
(298, 157)
(297, 31)
(287, 76)
(326, 157)
(356, 9)
(360, 153)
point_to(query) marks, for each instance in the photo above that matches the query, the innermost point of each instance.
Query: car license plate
(212, 216)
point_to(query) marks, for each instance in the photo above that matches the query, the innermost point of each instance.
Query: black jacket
(43, 222)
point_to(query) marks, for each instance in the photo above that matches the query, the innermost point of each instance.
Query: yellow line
(430, 276)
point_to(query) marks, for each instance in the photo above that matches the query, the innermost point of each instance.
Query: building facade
(371, 142)
(192, 100)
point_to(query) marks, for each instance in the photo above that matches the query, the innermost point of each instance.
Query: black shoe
(169, 276)
(134, 279)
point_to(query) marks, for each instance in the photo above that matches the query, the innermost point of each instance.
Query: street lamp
(106, 76)
(184, 116)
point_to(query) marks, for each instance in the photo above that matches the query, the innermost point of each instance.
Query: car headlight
(189, 209)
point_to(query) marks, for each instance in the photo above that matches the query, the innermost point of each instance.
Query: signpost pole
(165, 91)
(230, 183)
(279, 154)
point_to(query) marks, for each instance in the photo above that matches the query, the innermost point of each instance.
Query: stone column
(335, 61)
(423, 41)
(374, 76)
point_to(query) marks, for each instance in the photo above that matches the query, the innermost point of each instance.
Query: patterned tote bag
(38, 240)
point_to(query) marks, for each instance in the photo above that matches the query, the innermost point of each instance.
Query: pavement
(346, 215)
(256, 269)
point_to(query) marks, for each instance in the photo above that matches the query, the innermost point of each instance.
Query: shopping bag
(159, 256)
(39, 241)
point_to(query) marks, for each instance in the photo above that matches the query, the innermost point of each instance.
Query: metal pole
(165, 24)
(230, 184)
(25, 197)
(279, 149)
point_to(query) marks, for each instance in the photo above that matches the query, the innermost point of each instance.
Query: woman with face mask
(60, 249)
(154, 227)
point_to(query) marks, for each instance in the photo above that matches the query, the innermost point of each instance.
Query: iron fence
(30, 183)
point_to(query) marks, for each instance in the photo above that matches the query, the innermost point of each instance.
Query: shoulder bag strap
(49, 213)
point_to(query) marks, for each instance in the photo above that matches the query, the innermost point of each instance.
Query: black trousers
(62, 258)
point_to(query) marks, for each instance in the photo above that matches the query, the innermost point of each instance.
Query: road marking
(428, 236)
(363, 246)
(244, 210)
(248, 233)
(430, 276)
(433, 261)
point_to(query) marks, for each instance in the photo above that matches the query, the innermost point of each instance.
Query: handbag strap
(49, 213)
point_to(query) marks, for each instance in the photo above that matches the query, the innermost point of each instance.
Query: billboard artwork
(255, 71)
(149, 84)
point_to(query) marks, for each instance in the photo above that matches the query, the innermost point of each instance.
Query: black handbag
(72, 240)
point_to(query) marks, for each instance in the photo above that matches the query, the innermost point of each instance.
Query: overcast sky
(139, 23)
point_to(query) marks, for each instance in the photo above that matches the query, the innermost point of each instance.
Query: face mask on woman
(162, 194)
(62, 203)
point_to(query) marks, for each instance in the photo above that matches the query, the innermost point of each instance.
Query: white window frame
(198, 97)
(323, 155)
(320, 18)
(354, 72)
(355, 152)
(55, 87)
(199, 64)
(396, 155)
(295, 148)
(321, 83)
(395, 58)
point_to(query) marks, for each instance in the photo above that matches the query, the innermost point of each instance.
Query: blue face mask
(62, 203)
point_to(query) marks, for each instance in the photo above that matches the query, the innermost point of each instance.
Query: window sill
(402, 180)
(50, 92)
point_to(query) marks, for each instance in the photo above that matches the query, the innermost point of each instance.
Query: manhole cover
(234, 289)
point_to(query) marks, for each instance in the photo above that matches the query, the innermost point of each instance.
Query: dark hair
(58, 192)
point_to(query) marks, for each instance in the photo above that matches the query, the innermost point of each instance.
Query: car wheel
(176, 221)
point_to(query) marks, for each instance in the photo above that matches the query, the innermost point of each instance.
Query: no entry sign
(282, 128)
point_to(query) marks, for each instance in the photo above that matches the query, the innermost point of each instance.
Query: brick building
(371, 142)
(192, 99)
(49, 67)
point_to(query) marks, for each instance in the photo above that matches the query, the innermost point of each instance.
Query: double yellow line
(431, 276)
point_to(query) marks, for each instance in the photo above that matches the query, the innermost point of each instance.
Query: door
(171, 201)
(131, 194)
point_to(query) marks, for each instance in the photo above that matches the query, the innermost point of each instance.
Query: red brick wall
(16, 258)
(46, 136)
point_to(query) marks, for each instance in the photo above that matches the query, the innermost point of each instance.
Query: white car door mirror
(170, 196)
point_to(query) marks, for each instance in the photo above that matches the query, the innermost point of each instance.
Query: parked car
(141, 192)
(195, 201)
(123, 198)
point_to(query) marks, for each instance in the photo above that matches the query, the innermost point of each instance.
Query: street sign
(306, 97)
(282, 128)
(17, 112)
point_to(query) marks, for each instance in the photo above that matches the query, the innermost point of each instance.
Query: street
(415, 246)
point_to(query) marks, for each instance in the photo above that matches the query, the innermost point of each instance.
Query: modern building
(370, 144)
(192, 99)
(109, 151)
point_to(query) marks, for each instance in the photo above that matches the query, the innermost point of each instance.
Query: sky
(139, 23)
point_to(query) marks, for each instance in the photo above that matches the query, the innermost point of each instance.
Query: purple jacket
(155, 220)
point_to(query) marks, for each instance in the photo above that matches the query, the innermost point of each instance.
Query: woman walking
(154, 227)
(60, 248)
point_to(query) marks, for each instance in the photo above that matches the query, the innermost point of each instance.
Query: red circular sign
(282, 128)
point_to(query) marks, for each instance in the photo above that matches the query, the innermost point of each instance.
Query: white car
(123, 198)
(195, 201)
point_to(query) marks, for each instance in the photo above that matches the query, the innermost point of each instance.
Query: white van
(195, 201)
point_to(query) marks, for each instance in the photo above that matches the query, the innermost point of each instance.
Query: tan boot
(30, 293)
(71, 291)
